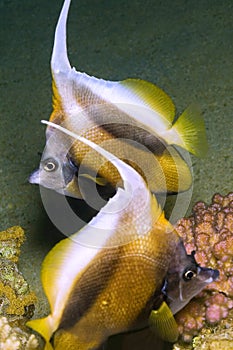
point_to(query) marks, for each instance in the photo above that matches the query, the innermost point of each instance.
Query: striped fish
(133, 119)
(115, 274)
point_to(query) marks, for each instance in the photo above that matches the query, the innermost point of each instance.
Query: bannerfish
(113, 275)
(133, 118)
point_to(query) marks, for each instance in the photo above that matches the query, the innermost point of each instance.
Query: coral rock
(16, 300)
(13, 338)
(209, 232)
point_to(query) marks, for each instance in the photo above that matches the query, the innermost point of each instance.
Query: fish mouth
(213, 277)
(208, 275)
(34, 177)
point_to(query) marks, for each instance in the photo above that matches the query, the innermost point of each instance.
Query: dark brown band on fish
(110, 118)
(89, 287)
(95, 281)
(137, 134)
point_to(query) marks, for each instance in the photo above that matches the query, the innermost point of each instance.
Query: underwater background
(184, 46)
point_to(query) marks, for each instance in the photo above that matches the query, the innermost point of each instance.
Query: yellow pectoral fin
(43, 327)
(163, 323)
(98, 180)
(191, 129)
(72, 189)
(175, 170)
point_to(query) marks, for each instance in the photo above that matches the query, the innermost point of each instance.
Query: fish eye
(189, 274)
(50, 165)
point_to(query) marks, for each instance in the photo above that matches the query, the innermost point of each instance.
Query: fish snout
(34, 178)
(209, 275)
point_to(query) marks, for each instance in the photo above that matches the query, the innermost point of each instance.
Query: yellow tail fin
(191, 129)
(44, 328)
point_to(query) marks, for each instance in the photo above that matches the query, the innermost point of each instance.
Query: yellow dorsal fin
(191, 129)
(43, 327)
(153, 96)
(163, 323)
(73, 189)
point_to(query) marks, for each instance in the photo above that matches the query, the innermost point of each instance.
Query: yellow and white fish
(135, 118)
(114, 274)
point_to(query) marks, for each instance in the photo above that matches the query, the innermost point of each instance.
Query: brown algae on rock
(10, 242)
(16, 299)
(15, 296)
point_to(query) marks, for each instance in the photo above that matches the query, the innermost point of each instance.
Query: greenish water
(185, 47)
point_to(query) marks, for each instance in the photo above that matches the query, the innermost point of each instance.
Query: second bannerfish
(126, 269)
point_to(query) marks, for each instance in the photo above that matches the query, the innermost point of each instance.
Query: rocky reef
(219, 337)
(14, 338)
(10, 243)
(16, 299)
(209, 232)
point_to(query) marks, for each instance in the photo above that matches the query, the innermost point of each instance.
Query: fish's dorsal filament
(60, 61)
